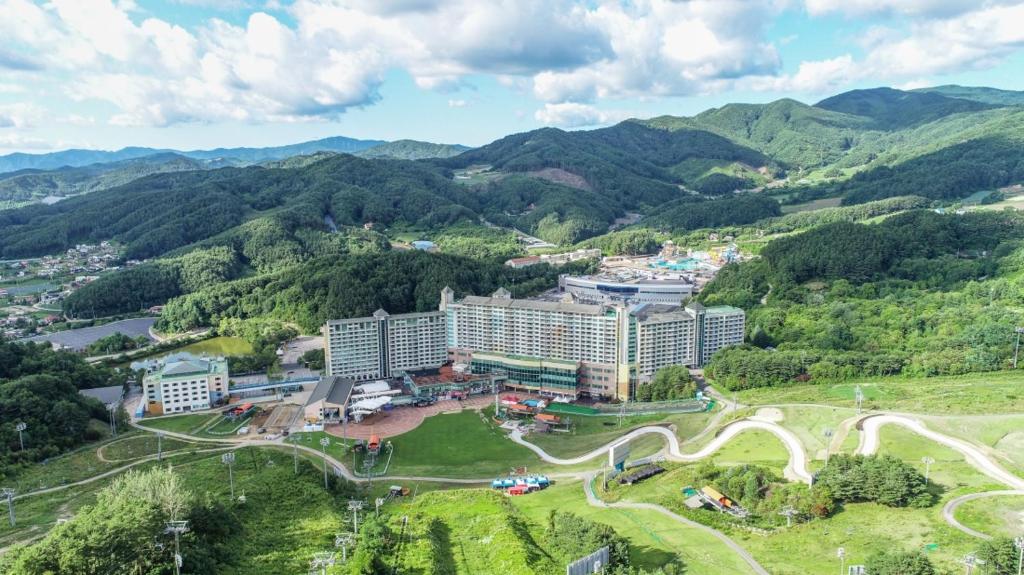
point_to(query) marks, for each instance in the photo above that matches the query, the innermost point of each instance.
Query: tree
(669, 383)
(123, 532)
(314, 358)
(1000, 555)
(899, 563)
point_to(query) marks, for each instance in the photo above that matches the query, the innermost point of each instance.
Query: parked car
(261, 430)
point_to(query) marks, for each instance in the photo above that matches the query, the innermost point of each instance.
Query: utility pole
(1019, 542)
(828, 444)
(295, 456)
(789, 512)
(971, 561)
(354, 505)
(177, 528)
(858, 397)
(229, 460)
(322, 560)
(343, 540)
(159, 446)
(324, 442)
(20, 428)
(113, 419)
(841, 554)
(1016, 347)
(8, 494)
(928, 461)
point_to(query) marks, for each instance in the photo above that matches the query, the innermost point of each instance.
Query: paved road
(796, 469)
(949, 510)
(594, 501)
(869, 442)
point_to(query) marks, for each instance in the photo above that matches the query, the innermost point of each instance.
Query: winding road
(796, 468)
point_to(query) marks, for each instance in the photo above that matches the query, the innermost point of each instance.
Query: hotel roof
(584, 309)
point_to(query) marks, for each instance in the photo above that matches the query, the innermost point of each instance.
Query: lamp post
(229, 460)
(159, 446)
(20, 428)
(177, 528)
(841, 554)
(8, 494)
(828, 444)
(928, 461)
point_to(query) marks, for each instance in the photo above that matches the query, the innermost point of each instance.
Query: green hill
(894, 109)
(411, 150)
(978, 94)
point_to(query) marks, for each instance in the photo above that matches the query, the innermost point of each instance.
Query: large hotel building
(554, 348)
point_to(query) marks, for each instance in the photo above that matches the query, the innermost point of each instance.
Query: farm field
(980, 393)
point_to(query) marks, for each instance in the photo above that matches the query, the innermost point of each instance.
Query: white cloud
(16, 142)
(19, 115)
(328, 56)
(926, 8)
(457, 103)
(576, 115)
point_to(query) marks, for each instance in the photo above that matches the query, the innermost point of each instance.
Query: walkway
(404, 419)
(949, 510)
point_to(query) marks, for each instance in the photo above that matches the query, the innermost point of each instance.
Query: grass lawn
(857, 527)
(654, 538)
(190, 423)
(756, 447)
(1004, 433)
(125, 449)
(591, 432)
(950, 470)
(225, 427)
(997, 516)
(999, 392)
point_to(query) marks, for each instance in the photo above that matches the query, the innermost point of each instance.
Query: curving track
(796, 469)
(869, 442)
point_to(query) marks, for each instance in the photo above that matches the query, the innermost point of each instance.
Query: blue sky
(207, 73)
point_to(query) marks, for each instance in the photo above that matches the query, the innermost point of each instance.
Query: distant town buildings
(554, 259)
(554, 348)
(185, 383)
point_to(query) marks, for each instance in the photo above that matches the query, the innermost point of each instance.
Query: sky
(189, 74)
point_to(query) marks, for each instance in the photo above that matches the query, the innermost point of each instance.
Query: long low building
(552, 348)
(606, 289)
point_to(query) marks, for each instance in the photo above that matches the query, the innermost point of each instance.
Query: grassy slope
(654, 538)
(592, 432)
(189, 423)
(998, 516)
(979, 393)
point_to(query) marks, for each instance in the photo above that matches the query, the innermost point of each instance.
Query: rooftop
(585, 309)
(333, 389)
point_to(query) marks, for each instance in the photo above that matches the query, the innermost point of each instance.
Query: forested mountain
(920, 294)
(411, 150)
(31, 184)
(242, 156)
(894, 109)
(978, 94)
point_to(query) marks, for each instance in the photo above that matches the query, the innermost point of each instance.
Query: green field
(756, 447)
(220, 345)
(997, 516)
(126, 449)
(190, 423)
(1004, 433)
(654, 538)
(590, 432)
(977, 393)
